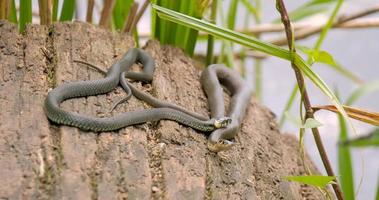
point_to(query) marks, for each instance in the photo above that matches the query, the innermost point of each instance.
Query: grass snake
(224, 128)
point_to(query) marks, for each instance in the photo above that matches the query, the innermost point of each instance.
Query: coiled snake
(224, 128)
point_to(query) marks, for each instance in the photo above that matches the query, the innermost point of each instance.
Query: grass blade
(371, 139)
(344, 163)
(182, 32)
(232, 14)
(223, 33)
(68, 10)
(12, 12)
(289, 104)
(363, 90)
(55, 10)
(154, 21)
(251, 8)
(209, 59)
(25, 14)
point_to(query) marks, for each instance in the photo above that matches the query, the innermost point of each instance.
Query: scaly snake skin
(223, 127)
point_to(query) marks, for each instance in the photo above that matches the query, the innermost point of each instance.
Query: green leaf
(25, 14)
(313, 180)
(371, 139)
(362, 90)
(120, 12)
(68, 9)
(309, 123)
(318, 56)
(312, 123)
(326, 58)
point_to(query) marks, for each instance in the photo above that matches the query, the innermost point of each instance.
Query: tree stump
(165, 160)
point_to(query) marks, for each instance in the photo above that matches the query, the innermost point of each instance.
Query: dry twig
(106, 13)
(139, 14)
(131, 16)
(90, 6)
(306, 32)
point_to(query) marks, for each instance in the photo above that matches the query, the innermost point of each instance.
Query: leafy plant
(170, 33)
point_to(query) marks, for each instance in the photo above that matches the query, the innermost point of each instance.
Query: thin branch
(45, 12)
(360, 23)
(362, 13)
(106, 13)
(271, 28)
(139, 14)
(306, 101)
(304, 33)
(90, 6)
(49, 11)
(130, 18)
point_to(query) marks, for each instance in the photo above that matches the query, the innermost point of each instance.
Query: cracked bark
(42, 160)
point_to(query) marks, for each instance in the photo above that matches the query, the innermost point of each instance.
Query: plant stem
(3, 8)
(68, 9)
(130, 19)
(25, 14)
(12, 12)
(316, 47)
(141, 12)
(306, 101)
(258, 62)
(45, 11)
(90, 6)
(55, 10)
(106, 13)
(258, 79)
(209, 59)
(328, 25)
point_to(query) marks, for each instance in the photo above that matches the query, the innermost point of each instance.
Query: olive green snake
(222, 128)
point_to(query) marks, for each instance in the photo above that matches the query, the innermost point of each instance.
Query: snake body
(211, 79)
(224, 128)
(112, 79)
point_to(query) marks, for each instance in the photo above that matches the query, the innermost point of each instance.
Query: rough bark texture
(41, 160)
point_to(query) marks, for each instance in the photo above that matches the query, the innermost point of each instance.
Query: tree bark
(165, 160)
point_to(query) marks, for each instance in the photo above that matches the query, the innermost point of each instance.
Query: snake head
(222, 122)
(220, 145)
